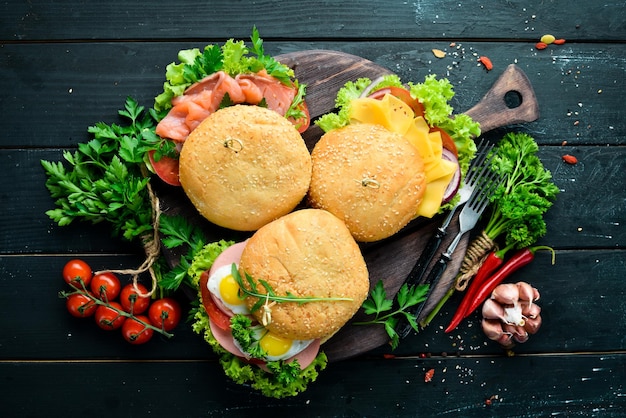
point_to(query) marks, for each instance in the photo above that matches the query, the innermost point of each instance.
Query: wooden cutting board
(325, 72)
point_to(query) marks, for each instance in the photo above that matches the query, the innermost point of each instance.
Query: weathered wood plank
(579, 97)
(582, 310)
(586, 214)
(40, 20)
(581, 385)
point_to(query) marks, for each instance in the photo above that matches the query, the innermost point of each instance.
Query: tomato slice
(446, 140)
(166, 168)
(402, 94)
(302, 124)
(221, 319)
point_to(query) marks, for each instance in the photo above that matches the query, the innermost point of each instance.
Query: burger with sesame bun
(270, 302)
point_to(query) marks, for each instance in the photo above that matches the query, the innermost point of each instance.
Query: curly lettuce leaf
(435, 94)
(345, 95)
(285, 379)
(204, 259)
(233, 57)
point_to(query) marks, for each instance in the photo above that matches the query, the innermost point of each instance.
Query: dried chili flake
(439, 53)
(559, 41)
(569, 159)
(486, 62)
(428, 376)
(541, 45)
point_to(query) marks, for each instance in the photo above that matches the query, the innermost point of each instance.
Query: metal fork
(484, 186)
(479, 167)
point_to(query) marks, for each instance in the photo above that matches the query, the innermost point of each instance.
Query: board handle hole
(513, 99)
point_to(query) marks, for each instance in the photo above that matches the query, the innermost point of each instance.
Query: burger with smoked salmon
(231, 118)
(204, 81)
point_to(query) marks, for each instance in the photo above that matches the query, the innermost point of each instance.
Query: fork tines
(485, 187)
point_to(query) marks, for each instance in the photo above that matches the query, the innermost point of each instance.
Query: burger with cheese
(389, 154)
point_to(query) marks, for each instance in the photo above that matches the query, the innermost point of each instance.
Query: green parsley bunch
(105, 179)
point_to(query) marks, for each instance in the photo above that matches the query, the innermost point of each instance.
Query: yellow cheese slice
(390, 112)
(431, 202)
(397, 116)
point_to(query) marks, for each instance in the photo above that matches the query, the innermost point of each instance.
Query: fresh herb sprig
(526, 193)
(270, 295)
(244, 334)
(106, 178)
(382, 308)
(233, 57)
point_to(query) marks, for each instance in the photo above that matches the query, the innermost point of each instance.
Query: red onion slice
(453, 186)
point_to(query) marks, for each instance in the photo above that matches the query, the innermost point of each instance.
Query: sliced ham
(229, 256)
(225, 338)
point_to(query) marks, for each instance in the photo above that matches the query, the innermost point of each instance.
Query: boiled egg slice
(275, 346)
(225, 288)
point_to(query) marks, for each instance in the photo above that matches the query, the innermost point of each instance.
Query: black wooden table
(66, 65)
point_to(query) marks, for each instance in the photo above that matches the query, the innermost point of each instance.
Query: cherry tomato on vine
(75, 271)
(106, 286)
(135, 332)
(131, 301)
(165, 313)
(80, 306)
(108, 318)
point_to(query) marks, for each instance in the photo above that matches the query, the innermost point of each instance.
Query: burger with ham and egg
(270, 302)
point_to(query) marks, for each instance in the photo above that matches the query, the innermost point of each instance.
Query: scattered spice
(486, 62)
(569, 159)
(547, 40)
(439, 53)
(428, 376)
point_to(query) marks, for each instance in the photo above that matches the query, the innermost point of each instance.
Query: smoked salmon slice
(204, 97)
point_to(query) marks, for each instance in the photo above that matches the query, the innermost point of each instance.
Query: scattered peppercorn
(569, 159)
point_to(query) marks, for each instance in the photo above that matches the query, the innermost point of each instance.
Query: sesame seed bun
(307, 253)
(369, 177)
(245, 166)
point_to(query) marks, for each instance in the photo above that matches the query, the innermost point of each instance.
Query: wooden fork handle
(510, 100)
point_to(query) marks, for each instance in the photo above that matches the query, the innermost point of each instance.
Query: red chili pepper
(486, 62)
(428, 376)
(491, 263)
(570, 159)
(518, 260)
